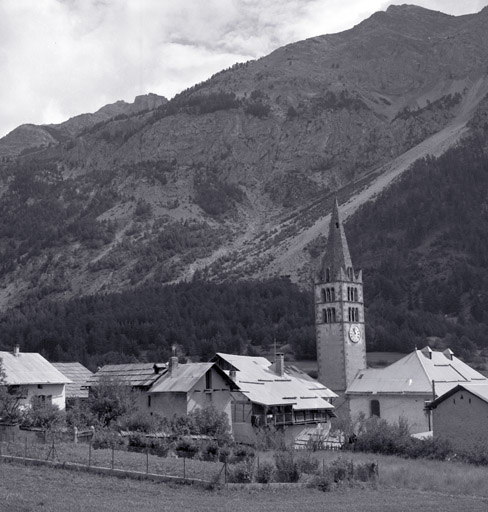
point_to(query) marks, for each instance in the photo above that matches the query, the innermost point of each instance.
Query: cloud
(60, 58)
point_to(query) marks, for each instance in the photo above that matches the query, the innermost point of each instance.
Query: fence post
(25, 447)
(113, 457)
(184, 468)
(89, 452)
(147, 460)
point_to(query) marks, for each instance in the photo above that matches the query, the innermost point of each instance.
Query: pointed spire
(337, 255)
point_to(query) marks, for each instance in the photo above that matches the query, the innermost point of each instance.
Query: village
(432, 393)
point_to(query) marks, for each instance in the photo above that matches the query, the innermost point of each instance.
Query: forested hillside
(423, 247)
(200, 318)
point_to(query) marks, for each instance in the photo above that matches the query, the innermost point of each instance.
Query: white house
(277, 396)
(39, 380)
(404, 388)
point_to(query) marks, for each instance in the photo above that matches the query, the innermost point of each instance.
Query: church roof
(414, 373)
(337, 254)
(261, 384)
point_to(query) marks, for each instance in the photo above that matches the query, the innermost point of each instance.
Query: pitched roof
(414, 373)
(185, 376)
(337, 254)
(476, 388)
(259, 382)
(78, 375)
(30, 368)
(134, 374)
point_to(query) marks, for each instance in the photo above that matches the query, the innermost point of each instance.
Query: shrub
(138, 442)
(242, 453)
(224, 454)
(322, 482)
(139, 422)
(242, 472)
(211, 452)
(211, 422)
(342, 470)
(186, 448)
(105, 438)
(265, 472)
(287, 469)
(307, 463)
(44, 416)
(366, 472)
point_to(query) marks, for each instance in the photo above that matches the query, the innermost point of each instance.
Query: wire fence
(139, 462)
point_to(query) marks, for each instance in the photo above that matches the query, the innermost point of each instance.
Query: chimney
(173, 362)
(16, 350)
(448, 353)
(280, 364)
(232, 375)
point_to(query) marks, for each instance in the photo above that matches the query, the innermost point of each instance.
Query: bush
(265, 472)
(186, 448)
(104, 438)
(139, 422)
(242, 472)
(44, 416)
(366, 472)
(224, 454)
(307, 463)
(138, 442)
(211, 452)
(287, 469)
(322, 482)
(241, 454)
(342, 470)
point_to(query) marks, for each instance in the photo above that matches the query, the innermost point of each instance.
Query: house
(405, 387)
(138, 376)
(461, 416)
(38, 379)
(275, 395)
(78, 375)
(184, 388)
(400, 390)
(174, 388)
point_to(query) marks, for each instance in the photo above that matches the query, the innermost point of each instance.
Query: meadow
(402, 485)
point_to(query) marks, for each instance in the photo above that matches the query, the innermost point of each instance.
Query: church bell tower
(339, 313)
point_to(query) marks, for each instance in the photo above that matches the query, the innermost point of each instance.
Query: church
(401, 390)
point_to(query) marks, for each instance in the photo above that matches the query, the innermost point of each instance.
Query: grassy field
(36, 489)
(403, 485)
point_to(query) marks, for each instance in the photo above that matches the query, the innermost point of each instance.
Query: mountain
(234, 177)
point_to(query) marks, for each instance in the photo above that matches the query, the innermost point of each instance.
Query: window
(149, 400)
(327, 274)
(333, 315)
(324, 298)
(355, 294)
(208, 380)
(375, 408)
(40, 400)
(324, 316)
(328, 294)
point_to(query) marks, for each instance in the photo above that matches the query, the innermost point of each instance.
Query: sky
(61, 58)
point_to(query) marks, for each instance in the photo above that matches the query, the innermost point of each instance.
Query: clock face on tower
(355, 333)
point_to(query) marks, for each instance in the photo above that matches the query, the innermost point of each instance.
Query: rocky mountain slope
(234, 177)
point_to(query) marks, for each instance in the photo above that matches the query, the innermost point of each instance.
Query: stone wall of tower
(339, 313)
(339, 359)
